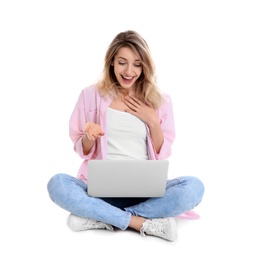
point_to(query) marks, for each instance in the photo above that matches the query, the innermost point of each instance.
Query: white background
(205, 58)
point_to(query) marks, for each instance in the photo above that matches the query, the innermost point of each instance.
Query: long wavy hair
(146, 86)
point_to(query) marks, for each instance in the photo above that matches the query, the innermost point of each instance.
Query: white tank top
(126, 136)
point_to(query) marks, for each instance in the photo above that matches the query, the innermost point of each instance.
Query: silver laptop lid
(127, 178)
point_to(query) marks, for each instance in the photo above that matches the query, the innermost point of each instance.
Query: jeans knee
(54, 183)
(198, 188)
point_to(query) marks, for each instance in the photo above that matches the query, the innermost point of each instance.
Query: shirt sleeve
(77, 123)
(166, 118)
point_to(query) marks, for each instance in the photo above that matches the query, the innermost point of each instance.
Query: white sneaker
(81, 224)
(160, 227)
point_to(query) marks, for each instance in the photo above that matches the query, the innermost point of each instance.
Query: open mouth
(127, 79)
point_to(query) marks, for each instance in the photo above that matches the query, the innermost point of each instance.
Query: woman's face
(127, 67)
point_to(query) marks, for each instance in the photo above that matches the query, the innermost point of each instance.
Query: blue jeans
(182, 194)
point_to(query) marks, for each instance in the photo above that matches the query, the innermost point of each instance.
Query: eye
(121, 63)
(138, 65)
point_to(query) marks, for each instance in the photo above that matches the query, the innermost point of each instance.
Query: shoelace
(150, 226)
(95, 225)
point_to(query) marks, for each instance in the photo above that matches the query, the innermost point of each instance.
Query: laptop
(127, 178)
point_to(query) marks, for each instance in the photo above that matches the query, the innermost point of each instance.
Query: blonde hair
(146, 86)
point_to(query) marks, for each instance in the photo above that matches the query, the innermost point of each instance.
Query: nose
(128, 68)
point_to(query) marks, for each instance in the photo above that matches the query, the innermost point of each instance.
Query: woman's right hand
(93, 131)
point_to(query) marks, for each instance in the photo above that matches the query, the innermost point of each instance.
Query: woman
(128, 90)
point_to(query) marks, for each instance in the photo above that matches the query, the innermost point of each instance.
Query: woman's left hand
(139, 109)
(149, 116)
